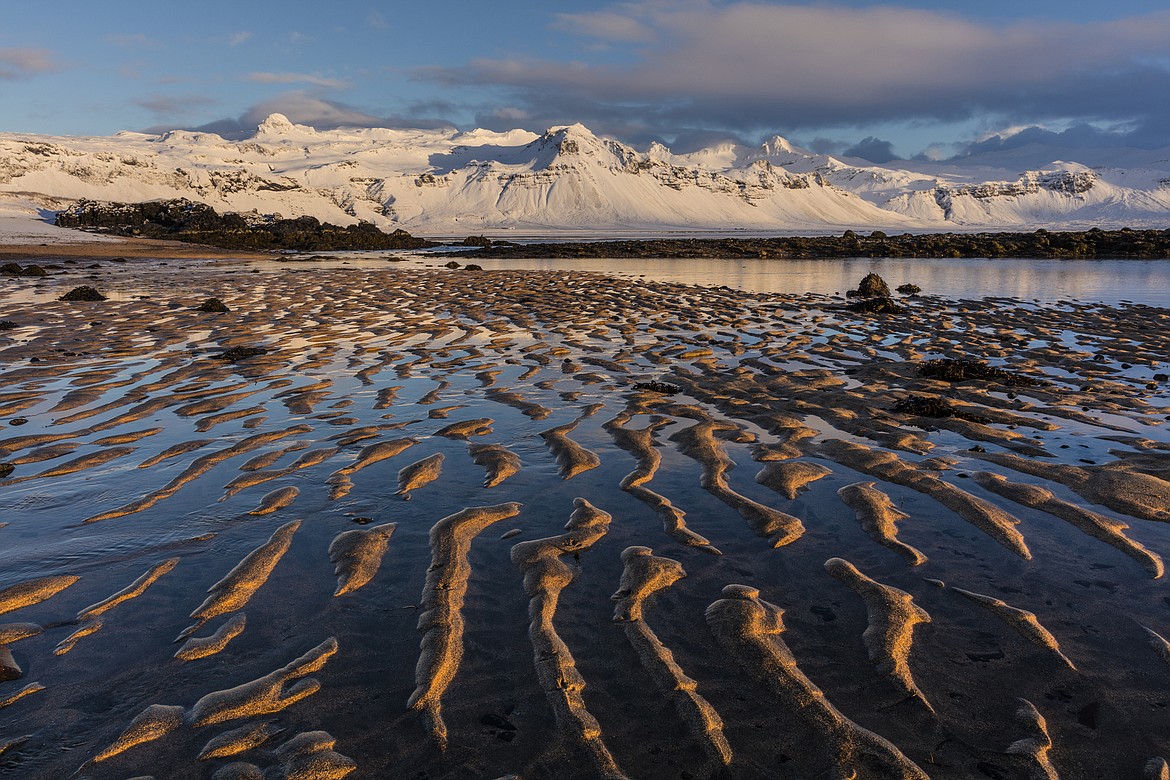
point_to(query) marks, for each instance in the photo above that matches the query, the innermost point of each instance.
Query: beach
(402, 520)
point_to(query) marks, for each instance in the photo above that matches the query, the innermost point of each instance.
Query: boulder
(82, 293)
(873, 286)
(213, 305)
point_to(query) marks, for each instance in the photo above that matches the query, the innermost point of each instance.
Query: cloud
(749, 66)
(872, 149)
(605, 25)
(171, 106)
(378, 22)
(305, 108)
(25, 63)
(233, 39)
(264, 77)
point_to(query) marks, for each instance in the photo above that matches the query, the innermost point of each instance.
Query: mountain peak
(778, 144)
(278, 124)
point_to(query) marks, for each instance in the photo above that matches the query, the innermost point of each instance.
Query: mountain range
(569, 180)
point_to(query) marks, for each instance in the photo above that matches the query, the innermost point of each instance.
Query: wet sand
(208, 568)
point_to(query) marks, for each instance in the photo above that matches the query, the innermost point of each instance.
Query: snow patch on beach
(22, 222)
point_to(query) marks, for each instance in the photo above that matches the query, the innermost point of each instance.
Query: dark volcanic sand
(1018, 647)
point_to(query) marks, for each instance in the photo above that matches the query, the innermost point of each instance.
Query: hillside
(569, 180)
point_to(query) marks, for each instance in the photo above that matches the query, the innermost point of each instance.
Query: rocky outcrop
(198, 223)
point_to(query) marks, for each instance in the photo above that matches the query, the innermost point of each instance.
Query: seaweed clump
(213, 305)
(657, 387)
(236, 354)
(871, 286)
(963, 369)
(876, 306)
(933, 406)
(82, 293)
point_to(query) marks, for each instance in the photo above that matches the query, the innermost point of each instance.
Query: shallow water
(342, 336)
(1105, 281)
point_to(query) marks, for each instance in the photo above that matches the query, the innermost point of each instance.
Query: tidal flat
(445, 523)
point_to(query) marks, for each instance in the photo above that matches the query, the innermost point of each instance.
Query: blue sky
(892, 78)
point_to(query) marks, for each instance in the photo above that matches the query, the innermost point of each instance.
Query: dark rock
(185, 220)
(213, 305)
(34, 270)
(477, 241)
(1152, 244)
(6, 469)
(657, 387)
(1161, 378)
(873, 286)
(7, 324)
(19, 420)
(472, 267)
(909, 289)
(11, 269)
(1089, 714)
(451, 264)
(82, 293)
(963, 369)
(876, 306)
(236, 354)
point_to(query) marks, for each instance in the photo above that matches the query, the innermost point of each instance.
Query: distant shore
(1040, 244)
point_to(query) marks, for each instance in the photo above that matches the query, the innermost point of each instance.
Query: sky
(877, 80)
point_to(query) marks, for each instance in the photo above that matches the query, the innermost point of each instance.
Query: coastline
(125, 247)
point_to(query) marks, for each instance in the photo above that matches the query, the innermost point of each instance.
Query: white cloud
(233, 39)
(377, 21)
(265, 77)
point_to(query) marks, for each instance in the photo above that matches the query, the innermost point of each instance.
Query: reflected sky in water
(1104, 281)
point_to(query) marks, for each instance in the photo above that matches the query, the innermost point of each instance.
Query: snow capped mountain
(447, 182)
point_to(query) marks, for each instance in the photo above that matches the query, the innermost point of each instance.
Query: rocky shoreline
(1040, 244)
(198, 223)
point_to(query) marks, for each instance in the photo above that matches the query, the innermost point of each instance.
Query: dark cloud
(873, 149)
(25, 63)
(310, 109)
(172, 106)
(749, 67)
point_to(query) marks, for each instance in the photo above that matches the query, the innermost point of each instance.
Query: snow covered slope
(446, 182)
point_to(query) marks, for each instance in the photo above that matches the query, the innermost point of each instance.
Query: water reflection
(1106, 281)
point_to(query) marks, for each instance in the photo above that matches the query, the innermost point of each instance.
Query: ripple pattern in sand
(959, 548)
